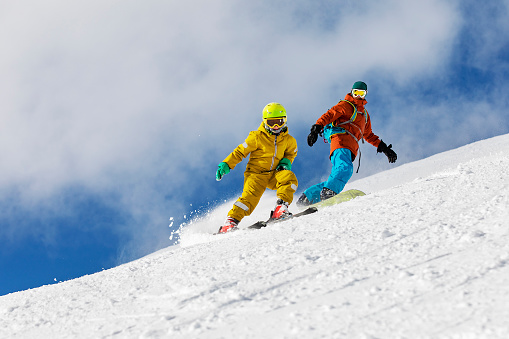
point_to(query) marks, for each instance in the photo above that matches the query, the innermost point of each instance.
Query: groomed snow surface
(424, 255)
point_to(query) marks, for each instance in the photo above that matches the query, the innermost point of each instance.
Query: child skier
(272, 151)
(344, 125)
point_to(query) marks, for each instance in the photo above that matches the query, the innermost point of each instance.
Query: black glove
(387, 150)
(313, 136)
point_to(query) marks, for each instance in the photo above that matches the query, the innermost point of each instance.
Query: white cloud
(133, 97)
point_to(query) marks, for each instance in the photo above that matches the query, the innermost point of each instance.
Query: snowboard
(339, 198)
(259, 224)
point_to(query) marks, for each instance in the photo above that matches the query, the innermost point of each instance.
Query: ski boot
(303, 201)
(230, 225)
(326, 193)
(280, 211)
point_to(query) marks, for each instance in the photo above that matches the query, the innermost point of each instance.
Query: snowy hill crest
(424, 255)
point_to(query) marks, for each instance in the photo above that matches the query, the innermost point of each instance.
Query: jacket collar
(358, 102)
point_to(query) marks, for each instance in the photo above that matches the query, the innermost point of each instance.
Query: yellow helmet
(274, 117)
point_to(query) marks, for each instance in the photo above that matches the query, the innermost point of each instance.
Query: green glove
(284, 164)
(222, 169)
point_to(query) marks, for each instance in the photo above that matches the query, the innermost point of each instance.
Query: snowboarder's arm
(369, 136)
(381, 147)
(332, 114)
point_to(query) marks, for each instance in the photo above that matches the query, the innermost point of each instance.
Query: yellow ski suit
(265, 150)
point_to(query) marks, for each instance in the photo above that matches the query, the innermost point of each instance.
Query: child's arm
(241, 151)
(291, 150)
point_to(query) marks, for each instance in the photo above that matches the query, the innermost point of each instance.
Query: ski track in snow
(424, 255)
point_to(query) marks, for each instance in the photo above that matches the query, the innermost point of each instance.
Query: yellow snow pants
(284, 182)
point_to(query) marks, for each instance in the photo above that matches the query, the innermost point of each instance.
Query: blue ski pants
(342, 171)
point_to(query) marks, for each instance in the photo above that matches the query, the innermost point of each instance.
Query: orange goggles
(275, 122)
(359, 93)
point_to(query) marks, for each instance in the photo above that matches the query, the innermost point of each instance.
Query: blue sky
(114, 115)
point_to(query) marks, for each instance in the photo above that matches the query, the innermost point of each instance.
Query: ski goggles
(359, 93)
(275, 122)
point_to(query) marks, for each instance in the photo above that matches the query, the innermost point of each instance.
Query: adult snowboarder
(272, 151)
(344, 125)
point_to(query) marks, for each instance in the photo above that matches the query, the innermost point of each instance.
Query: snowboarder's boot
(326, 193)
(229, 225)
(303, 201)
(280, 211)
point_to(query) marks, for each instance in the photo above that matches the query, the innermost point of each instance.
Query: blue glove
(222, 169)
(284, 164)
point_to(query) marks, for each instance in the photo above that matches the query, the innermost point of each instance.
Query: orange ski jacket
(354, 131)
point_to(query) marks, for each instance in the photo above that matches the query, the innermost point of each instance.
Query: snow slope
(424, 255)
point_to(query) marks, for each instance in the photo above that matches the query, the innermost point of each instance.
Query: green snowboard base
(339, 198)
